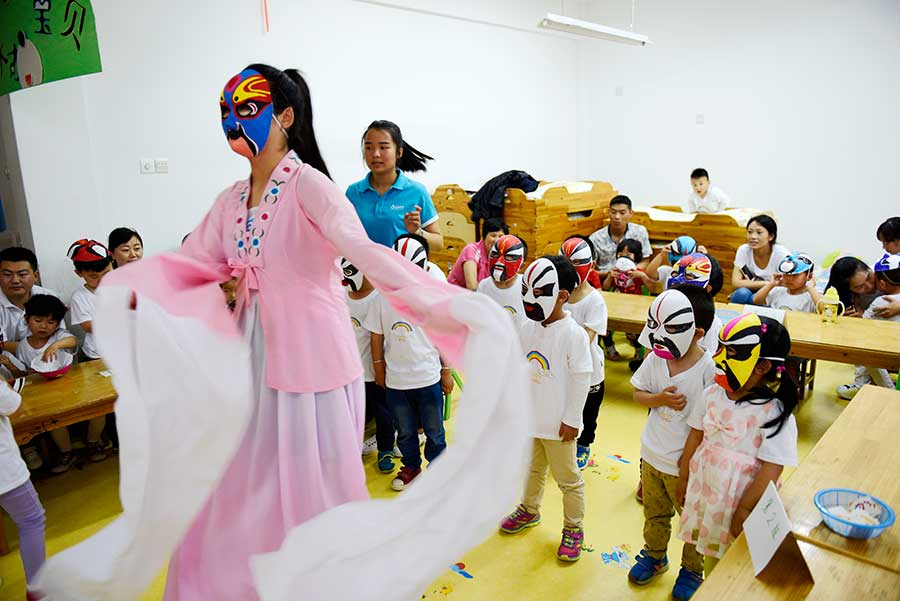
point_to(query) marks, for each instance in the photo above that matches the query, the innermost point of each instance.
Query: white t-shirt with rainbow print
(555, 353)
(412, 361)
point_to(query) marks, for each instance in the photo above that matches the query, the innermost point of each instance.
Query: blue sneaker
(645, 568)
(582, 456)
(686, 584)
(385, 462)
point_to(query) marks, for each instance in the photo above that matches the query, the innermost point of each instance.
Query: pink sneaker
(570, 547)
(518, 520)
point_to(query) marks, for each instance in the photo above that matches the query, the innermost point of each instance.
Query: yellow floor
(521, 567)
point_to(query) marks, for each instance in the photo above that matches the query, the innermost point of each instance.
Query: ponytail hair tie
(780, 369)
(764, 327)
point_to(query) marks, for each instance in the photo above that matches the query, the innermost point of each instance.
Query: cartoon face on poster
(46, 40)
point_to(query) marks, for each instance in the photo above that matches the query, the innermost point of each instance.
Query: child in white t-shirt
(504, 286)
(411, 370)
(742, 436)
(588, 309)
(558, 354)
(670, 382)
(92, 261)
(17, 495)
(361, 298)
(705, 198)
(792, 288)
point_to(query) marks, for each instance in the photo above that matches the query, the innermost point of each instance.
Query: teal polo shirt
(382, 215)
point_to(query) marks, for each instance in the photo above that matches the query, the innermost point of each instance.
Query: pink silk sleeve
(409, 289)
(204, 244)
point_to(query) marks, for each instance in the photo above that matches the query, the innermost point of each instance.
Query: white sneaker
(847, 391)
(370, 445)
(32, 458)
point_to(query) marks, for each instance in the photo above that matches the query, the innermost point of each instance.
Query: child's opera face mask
(540, 289)
(413, 250)
(670, 326)
(506, 257)
(739, 347)
(694, 269)
(579, 252)
(352, 277)
(247, 112)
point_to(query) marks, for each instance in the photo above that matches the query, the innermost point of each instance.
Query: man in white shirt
(705, 199)
(18, 274)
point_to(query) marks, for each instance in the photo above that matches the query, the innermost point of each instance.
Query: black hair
(701, 303)
(289, 89)
(18, 254)
(840, 274)
(420, 239)
(889, 231)
(775, 345)
(716, 277)
(568, 277)
(524, 248)
(891, 276)
(699, 172)
(411, 160)
(632, 246)
(768, 224)
(621, 199)
(120, 236)
(493, 224)
(95, 266)
(45, 305)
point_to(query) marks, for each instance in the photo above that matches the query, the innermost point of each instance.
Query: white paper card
(766, 528)
(776, 314)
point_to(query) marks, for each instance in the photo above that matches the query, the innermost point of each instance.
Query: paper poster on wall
(46, 40)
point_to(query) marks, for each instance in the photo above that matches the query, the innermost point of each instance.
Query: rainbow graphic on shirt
(355, 322)
(541, 360)
(512, 310)
(401, 326)
(541, 367)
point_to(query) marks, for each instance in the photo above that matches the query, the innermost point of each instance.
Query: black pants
(377, 408)
(589, 415)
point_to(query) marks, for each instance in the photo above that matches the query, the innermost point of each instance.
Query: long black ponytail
(289, 89)
(411, 160)
(775, 347)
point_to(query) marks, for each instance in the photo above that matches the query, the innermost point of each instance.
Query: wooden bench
(81, 394)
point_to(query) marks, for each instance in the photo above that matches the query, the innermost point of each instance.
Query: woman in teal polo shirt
(387, 201)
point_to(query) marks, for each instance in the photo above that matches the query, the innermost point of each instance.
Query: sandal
(612, 354)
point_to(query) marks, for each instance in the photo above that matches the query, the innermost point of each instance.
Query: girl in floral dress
(743, 439)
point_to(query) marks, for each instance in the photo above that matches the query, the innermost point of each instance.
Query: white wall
(459, 90)
(801, 102)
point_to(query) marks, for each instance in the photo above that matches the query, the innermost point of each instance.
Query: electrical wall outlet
(148, 166)
(162, 165)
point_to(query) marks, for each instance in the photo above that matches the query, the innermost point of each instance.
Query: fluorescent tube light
(594, 30)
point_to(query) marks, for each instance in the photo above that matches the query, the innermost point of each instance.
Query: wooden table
(836, 577)
(49, 404)
(870, 342)
(859, 451)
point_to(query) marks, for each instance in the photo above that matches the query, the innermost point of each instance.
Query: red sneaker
(404, 477)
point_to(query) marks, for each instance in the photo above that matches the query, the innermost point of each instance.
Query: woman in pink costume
(225, 492)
